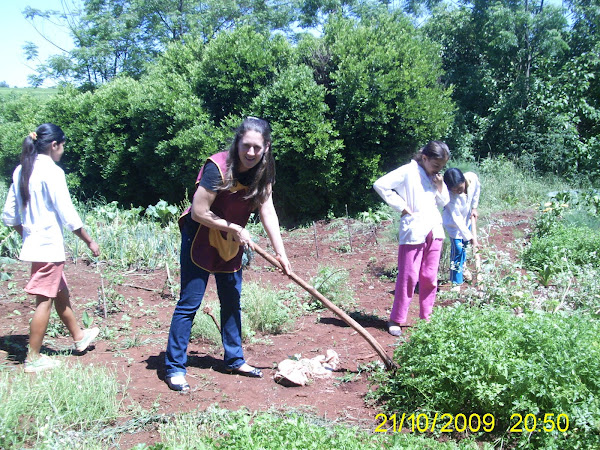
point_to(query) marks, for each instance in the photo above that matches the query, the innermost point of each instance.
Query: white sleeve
(477, 189)
(63, 205)
(458, 219)
(442, 198)
(11, 216)
(386, 188)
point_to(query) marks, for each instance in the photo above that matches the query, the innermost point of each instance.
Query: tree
(108, 41)
(386, 100)
(496, 54)
(115, 37)
(135, 141)
(236, 65)
(306, 147)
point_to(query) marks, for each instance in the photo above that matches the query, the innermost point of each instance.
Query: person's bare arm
(85, 237)
(201, 213)
(269, 219)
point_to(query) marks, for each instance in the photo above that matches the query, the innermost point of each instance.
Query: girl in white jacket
(417, 191)
(38, 206)
(460, 218)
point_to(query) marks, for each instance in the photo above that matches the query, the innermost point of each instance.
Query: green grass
(264, 310)
(220, 428)
(40, 93)
(505, 186)
(41, 410)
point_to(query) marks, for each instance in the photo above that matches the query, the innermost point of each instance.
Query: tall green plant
(307, 150)
(236, 65)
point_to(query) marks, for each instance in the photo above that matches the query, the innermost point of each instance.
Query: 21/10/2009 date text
(475, 423)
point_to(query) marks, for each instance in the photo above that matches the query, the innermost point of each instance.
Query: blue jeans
(458, 256)
(193, 287)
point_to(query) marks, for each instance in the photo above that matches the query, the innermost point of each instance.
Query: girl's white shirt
(49, 210)
(457, 213)
(409, 187)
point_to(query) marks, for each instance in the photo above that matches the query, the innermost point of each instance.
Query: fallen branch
(389, 363)
(141, 287)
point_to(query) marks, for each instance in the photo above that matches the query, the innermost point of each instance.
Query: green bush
(264, 309)
(490, 361)
(565, 235)
(236, 65)
(563, 248)
(305, 144)
(382, 110)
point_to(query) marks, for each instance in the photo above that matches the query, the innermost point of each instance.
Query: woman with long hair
(230, 186)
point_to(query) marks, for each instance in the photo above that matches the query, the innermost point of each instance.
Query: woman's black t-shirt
(211, 177)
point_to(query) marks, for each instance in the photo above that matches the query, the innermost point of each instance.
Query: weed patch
(491, 361)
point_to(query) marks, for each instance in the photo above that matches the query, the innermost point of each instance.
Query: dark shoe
(394, 329)
(178, 383)
(253, 373)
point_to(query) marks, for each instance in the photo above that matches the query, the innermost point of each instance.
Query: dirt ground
(133, 339)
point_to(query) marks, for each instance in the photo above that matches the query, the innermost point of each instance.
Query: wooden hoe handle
(389, 363)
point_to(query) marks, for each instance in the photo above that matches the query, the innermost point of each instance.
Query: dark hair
(258, 191)
(433, 150)
(35, 143)
(453, 177)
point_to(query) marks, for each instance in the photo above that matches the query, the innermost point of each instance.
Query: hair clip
(33, 135)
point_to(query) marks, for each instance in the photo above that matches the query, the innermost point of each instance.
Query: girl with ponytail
(38, 206)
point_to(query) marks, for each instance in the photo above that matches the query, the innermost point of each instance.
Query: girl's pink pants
(416, 263)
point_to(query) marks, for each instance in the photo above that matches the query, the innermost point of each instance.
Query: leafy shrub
(564, 247)
(382, 213)
(490, 361)
(565, 236)
(10, 242)
(162, 211)
(263, 309)
(5, 274)
(333, 284)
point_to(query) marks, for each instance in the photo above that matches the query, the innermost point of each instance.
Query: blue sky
(15, 31)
